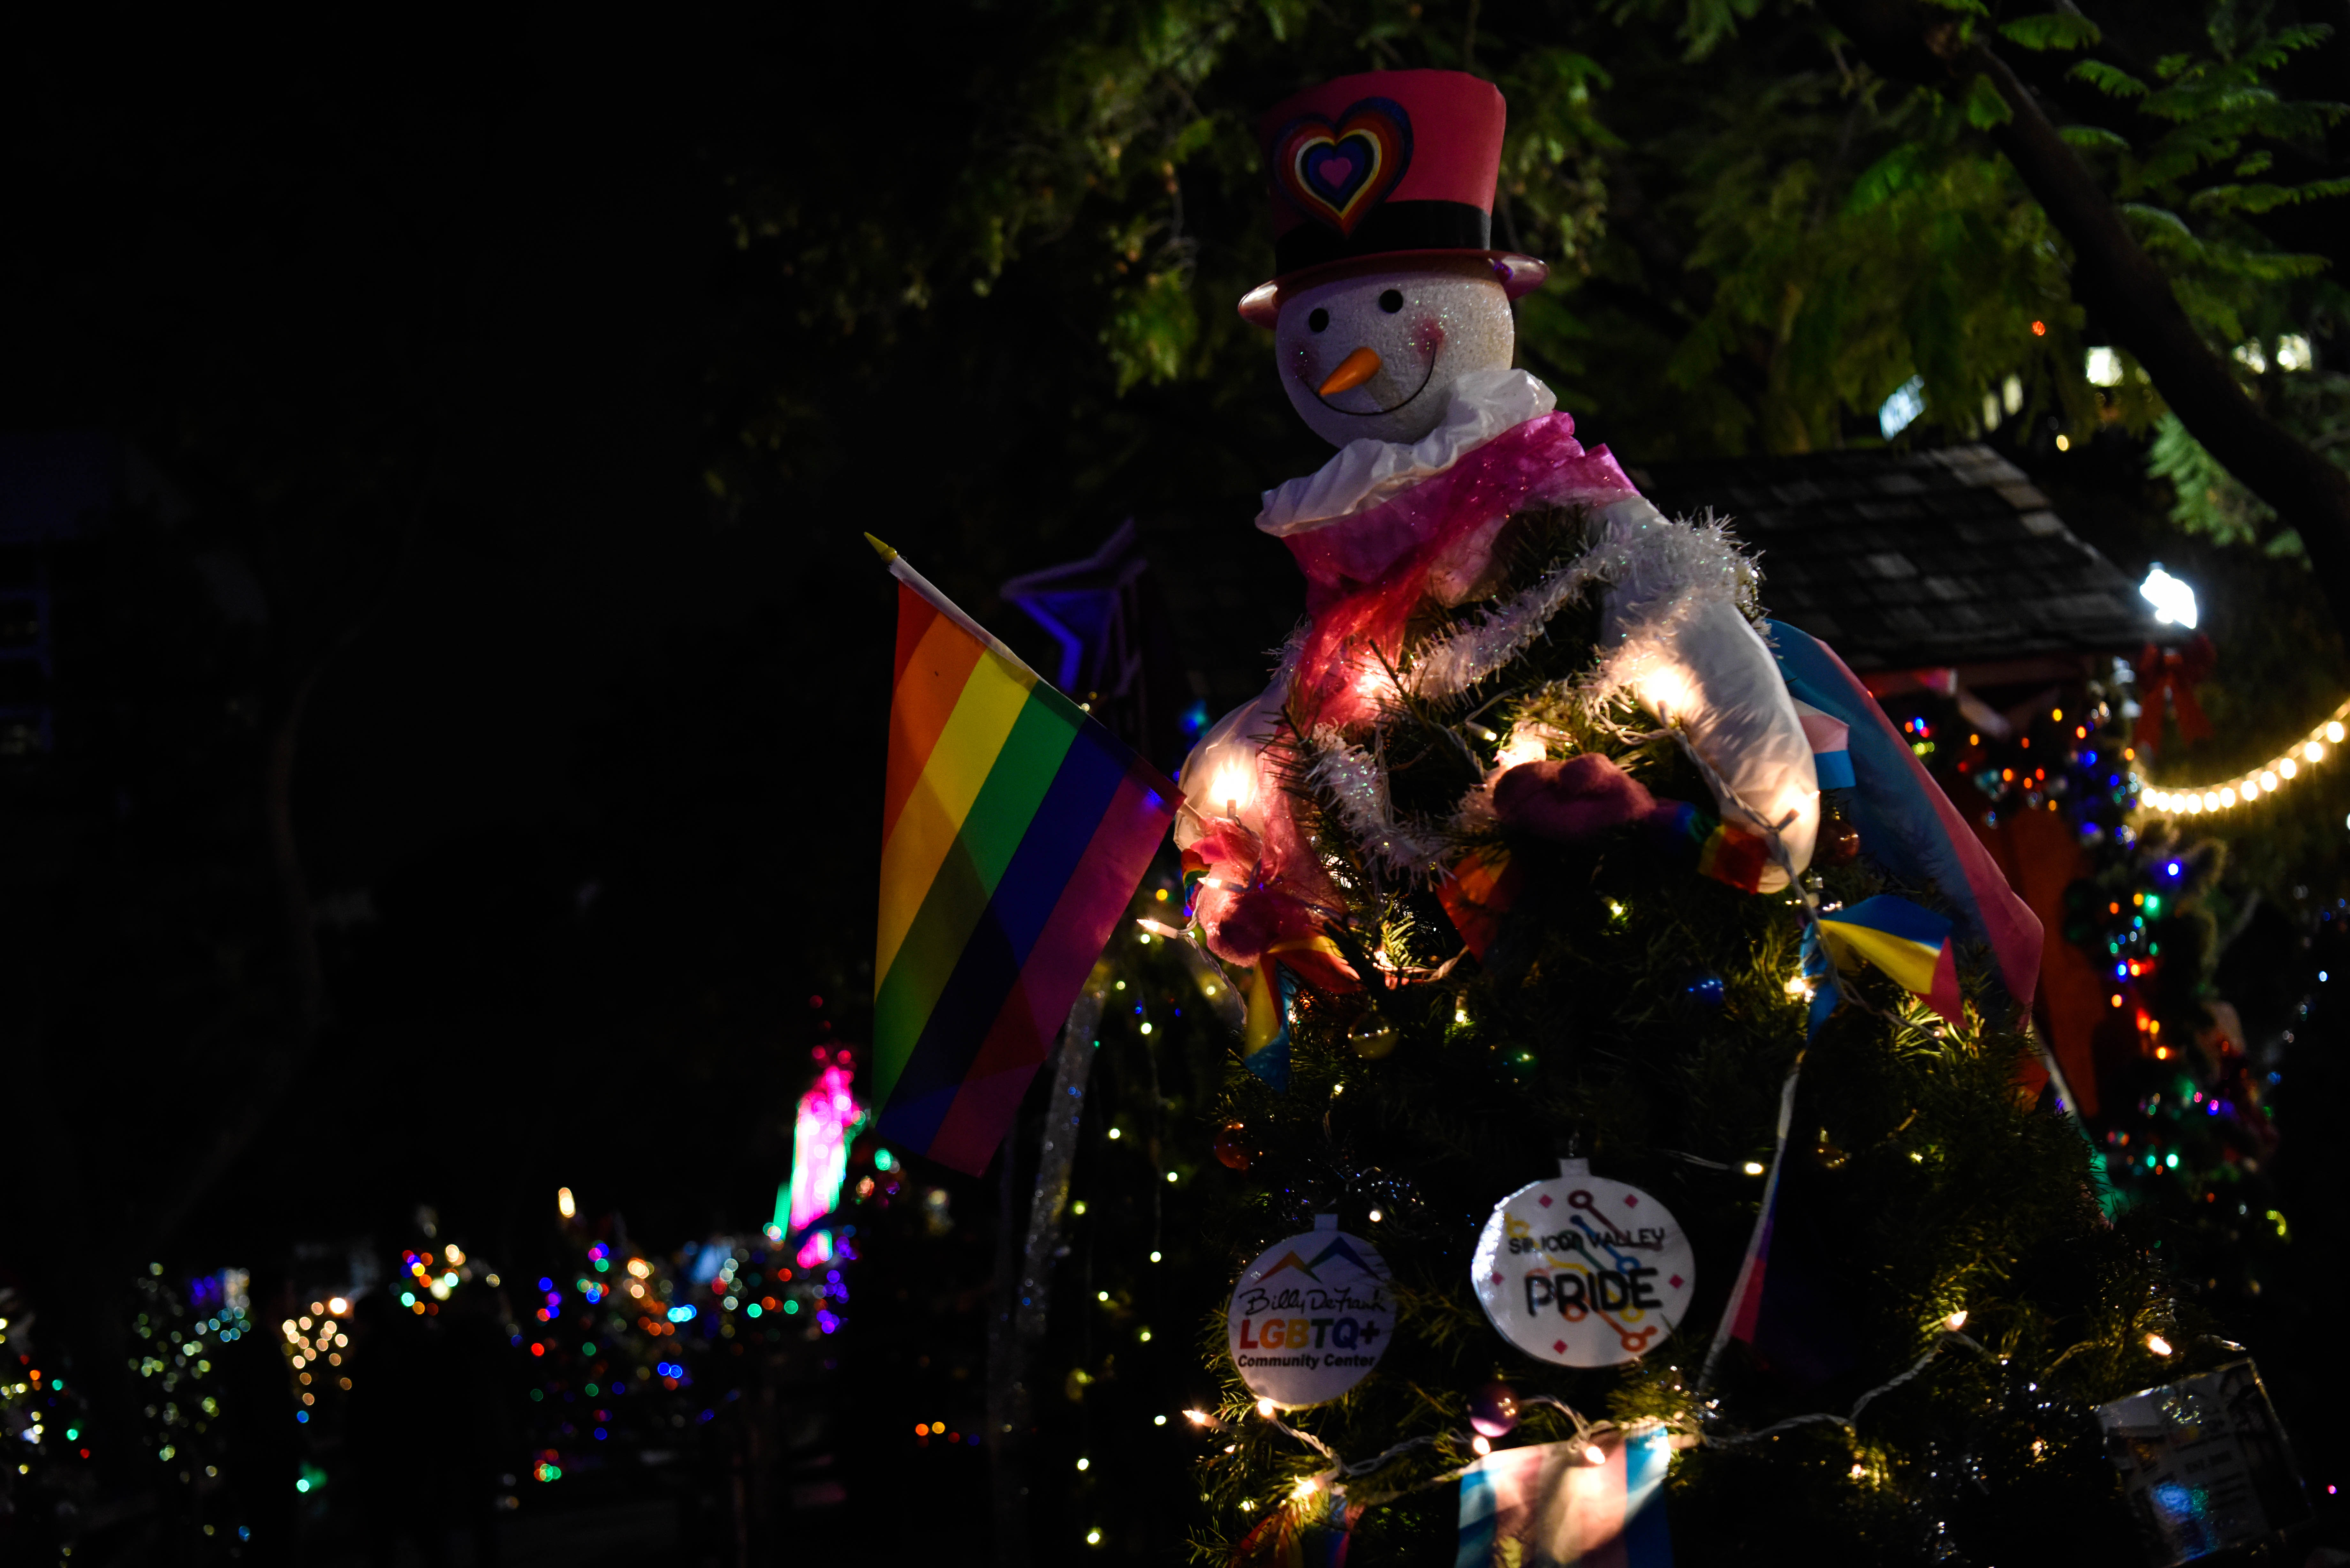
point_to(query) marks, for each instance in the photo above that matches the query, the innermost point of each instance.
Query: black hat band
(1390, 226)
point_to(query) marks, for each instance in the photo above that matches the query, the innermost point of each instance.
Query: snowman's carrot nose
(1353, 370)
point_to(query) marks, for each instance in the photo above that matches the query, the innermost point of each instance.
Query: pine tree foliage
(1936, 1185)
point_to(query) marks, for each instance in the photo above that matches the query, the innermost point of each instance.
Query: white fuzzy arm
(1678, 637)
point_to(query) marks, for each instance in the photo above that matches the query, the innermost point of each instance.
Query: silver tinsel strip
(1355, 780)
(1653, 567)
(1651, 562)
(1657, 571)
(1458, 660)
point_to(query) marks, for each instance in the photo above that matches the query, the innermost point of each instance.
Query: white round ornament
(1311, 1316)
(1583, 1270)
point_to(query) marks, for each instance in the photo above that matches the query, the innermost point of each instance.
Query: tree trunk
(2122, 288)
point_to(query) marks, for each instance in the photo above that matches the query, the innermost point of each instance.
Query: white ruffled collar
(1365, 472)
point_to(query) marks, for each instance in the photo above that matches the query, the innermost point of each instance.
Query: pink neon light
(828, 1118)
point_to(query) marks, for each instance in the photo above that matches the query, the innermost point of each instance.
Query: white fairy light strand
(2197, 800)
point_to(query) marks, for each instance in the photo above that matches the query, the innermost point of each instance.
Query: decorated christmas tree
(1640, 1144)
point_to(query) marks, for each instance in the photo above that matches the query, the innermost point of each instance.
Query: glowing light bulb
(1265, 1408)
(1198, 1417)
(2173, 600)
(2287, 766)
(2314, 751)
(338, 1306)
(1525, 744)
(1753, 1167)
(2158, 1345)
(1233, 788)
(2334, 731)
(1306, 1486)
(1481, 1447)
(1085, 1464)
(1955, 1321)
(1666, 692)
(564, 1204)
(1594, 1454)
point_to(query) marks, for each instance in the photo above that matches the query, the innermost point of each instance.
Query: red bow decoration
(2177, 672)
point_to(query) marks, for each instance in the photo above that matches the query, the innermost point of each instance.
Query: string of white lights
(2297, 762)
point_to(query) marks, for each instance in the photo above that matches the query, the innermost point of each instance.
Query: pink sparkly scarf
(1367, 573)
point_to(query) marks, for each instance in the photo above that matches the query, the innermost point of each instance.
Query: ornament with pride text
(1312, 1317)
(1583, 1270)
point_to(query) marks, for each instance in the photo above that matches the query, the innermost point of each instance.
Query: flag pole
(943, 605)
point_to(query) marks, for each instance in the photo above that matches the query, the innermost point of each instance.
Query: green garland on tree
(1640, 1015)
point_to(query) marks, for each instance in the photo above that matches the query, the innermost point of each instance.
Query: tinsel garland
(1355, 781)
(1658, 573)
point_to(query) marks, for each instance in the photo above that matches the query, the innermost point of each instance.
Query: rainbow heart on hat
(1339, 170)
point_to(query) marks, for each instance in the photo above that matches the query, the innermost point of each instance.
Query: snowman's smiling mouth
(1425, 377)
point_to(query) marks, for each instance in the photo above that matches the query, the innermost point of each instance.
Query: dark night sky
(602, 760)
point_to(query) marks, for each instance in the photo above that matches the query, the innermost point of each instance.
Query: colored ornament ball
(1372, 1037)
(1839, 843)
(1494, 1410)
(1705, 989)
(1233, 1147)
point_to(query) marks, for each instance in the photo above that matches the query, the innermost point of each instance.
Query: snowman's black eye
(1391, 301)
(1319, 321)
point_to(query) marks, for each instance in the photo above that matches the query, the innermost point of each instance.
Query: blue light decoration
(1901, 410)
(681, 1313)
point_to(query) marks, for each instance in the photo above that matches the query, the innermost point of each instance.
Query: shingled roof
(1914, 560)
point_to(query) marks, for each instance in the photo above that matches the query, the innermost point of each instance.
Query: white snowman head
(1374, 350)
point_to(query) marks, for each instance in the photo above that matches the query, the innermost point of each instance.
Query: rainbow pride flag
(1014, 830)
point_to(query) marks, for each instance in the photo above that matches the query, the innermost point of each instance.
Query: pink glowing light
(828, 1118)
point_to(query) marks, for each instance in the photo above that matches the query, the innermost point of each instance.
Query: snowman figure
(1393, 337)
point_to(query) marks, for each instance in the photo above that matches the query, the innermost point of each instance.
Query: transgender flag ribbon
(1743, 1314)
(1014, 830)
(1545, 1504)
(1907, 824)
